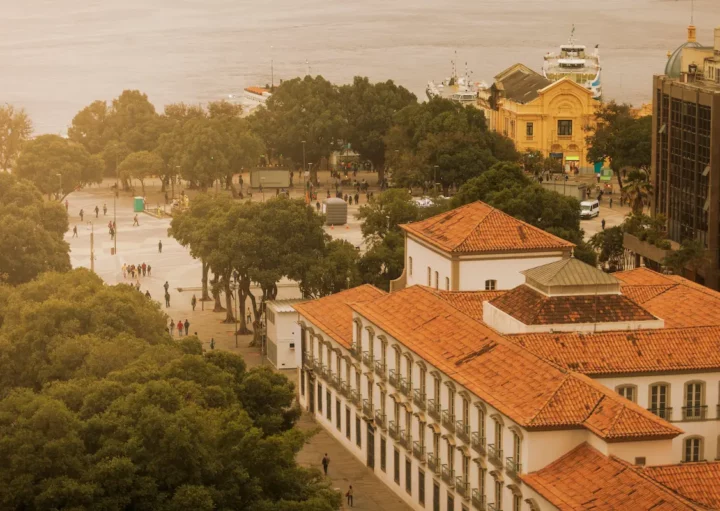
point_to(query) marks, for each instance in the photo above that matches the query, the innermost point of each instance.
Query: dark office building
(686, 159)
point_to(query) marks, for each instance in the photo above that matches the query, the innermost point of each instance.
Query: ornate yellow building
(542, 115)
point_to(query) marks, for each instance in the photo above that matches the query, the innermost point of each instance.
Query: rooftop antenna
(692, 12)
(572, 34)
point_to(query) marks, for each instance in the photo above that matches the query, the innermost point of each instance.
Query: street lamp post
(303, 172)
(262, 188)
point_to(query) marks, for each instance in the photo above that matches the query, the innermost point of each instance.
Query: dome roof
(673, 68)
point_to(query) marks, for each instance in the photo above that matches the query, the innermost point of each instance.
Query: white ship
(574, 62)
(251, 98)
(456, 88)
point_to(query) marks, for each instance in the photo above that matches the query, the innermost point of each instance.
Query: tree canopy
(31, 232)
(101, 409)
(620, 138)
(443, 142)
(58, 166)
(15, 130)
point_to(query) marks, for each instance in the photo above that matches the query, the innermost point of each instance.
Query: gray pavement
(345, 470)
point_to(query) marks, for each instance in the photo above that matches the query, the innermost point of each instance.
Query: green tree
(141, 165)
(31, 232)
(447, 142)
(533, 161)
(369, 110)
(335, 271)
(609, 245)
(692, 254)
(58, 166)
(15, 131)
(303, 121)
(637, 190)
(620, 138)
(101, 409)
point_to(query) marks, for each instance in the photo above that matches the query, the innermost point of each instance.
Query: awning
(480, 462)
(397, 397)
(381, 385)
(463, 449)
(408, 407)
(434, 427)
(572, 158)
(421, 416)
(450, 440)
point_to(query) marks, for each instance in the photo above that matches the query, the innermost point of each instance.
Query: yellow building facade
(537, 114)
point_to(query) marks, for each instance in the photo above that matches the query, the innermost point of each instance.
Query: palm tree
(692, 254)
(637, 190)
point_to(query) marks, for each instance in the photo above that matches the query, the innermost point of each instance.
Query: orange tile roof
(623, 352)
(534, 308)
(477, 227)
(333, 314)
(469, 302)
(585, 479)
(699, 482)
(678, 301)
(529, 390)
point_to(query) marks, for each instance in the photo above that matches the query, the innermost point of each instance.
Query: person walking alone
(187, 326)
(167, 299)
(97, 211)
(75, 232)
(180, 328)
(82, 214)
(160, 247)
(325, 463)
(193, 302)
(166, 286)
(172, 327)
(136, 222)
(104, 209)
(212, 343)
(349, 496)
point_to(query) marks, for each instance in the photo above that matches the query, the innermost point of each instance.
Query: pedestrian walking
(124, 270)
(610, 202)
(325, 463)
(144, 269)
(149, 271)
(603, 224)
(166, 286)
(137, 285)
(97, 211)
(112, 233)
(248, 321)
(349, 496)
(193, 302)
(212, 343)
(167, 299)
(104, 209)
(135, 221)
(357, 198)
(67, 206)
(82, 214)
(160, 246)
(75, 232)
(172, 326)
(147, 294)
(180, 328)
(187, 326)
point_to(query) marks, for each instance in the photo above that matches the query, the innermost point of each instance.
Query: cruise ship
(573, 61)
(251, 98)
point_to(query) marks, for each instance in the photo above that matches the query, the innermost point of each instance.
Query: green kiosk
(138, 204)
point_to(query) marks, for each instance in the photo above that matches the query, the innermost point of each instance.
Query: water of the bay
(57, 56)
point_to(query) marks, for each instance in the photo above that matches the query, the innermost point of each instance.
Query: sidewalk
(345, 470)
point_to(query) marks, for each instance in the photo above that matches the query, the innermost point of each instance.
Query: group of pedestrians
(180, 325)
(348, 494)
(141, 270)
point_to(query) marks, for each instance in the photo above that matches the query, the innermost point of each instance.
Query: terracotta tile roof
(477, 227)
(678, 301)
(585, 479)
(468, 302)
(622, 352)
(534, 308)
(699, 482)
(333, 314)
(529, 390)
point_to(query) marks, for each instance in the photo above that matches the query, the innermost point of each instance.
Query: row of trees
(259, 243)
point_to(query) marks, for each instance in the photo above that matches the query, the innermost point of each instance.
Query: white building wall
(544, 447)
(284, 332)
(422, 259)
(658, 452)
(708, 429)
(505, 269)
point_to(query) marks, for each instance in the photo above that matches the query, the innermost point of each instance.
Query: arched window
(447, 283)
(693, 449)
(629, 392)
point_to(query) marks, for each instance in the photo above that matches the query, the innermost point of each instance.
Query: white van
(589, 208)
